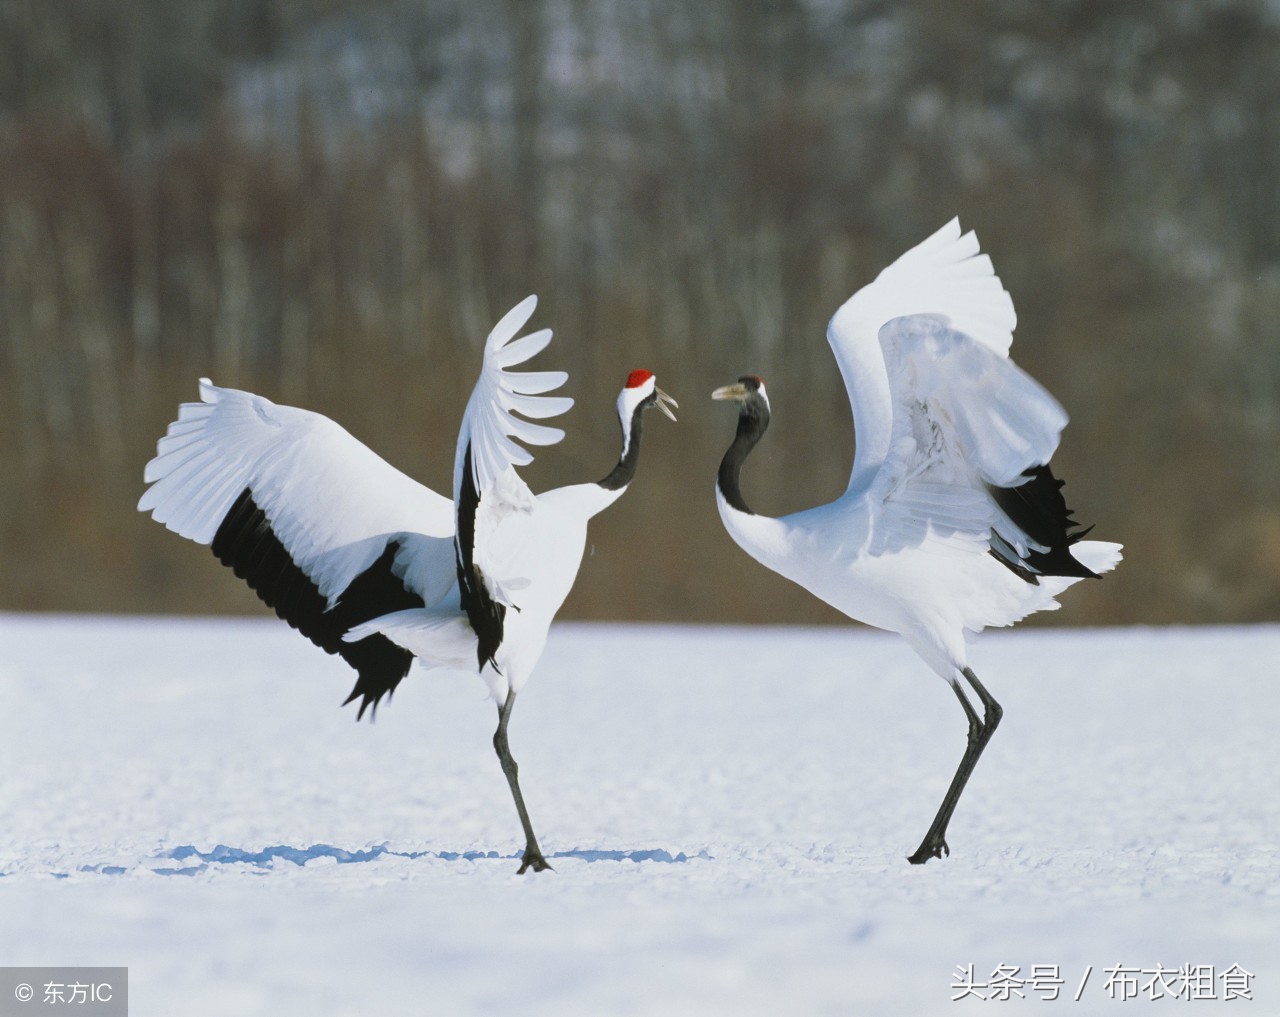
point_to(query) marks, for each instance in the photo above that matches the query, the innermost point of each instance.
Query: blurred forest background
(331, 201)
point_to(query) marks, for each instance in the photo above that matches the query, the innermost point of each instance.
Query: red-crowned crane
(377, 568)
(952, 520)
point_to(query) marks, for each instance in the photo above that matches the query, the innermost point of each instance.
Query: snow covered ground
(728, 811)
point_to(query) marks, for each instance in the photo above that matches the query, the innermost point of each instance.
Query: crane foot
(533, 860)
(931, 847)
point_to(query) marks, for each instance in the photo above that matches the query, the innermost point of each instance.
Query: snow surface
(728, 811)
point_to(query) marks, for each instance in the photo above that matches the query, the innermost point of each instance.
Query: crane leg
(934, 844)
(532, 853)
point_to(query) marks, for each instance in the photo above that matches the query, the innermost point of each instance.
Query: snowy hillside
(728, 811)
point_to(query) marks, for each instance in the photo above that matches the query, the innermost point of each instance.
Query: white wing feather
(944, 274)
(331, 501)
(944, 277)
(438, 637)
(489, 425)
(962, 415)
(995, 415)
(500, 537)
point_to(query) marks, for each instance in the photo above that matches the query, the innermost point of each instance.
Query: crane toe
(931, 847)
(533, 860)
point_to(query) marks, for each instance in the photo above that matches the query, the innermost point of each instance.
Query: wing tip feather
(510, 324)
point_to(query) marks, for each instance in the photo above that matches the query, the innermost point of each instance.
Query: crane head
(641, 392)
(748, 389)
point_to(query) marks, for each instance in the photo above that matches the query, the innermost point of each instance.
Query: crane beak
(736, 391)
(665, 402)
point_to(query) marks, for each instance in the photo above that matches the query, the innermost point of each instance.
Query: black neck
(753, 421)
(625, 471)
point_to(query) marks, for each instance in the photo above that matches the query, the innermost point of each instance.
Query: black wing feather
(485, 614)
(1038, 508)
(246, 544)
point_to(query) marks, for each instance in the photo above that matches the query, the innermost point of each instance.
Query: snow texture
(728, 812)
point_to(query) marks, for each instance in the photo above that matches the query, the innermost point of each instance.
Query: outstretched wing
(485, 484)
(323, 529)
(972, 437)
(945, 275)
(970, 434)
(489, 424)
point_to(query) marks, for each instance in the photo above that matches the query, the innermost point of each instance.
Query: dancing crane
(379, 569)
(952, 520)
